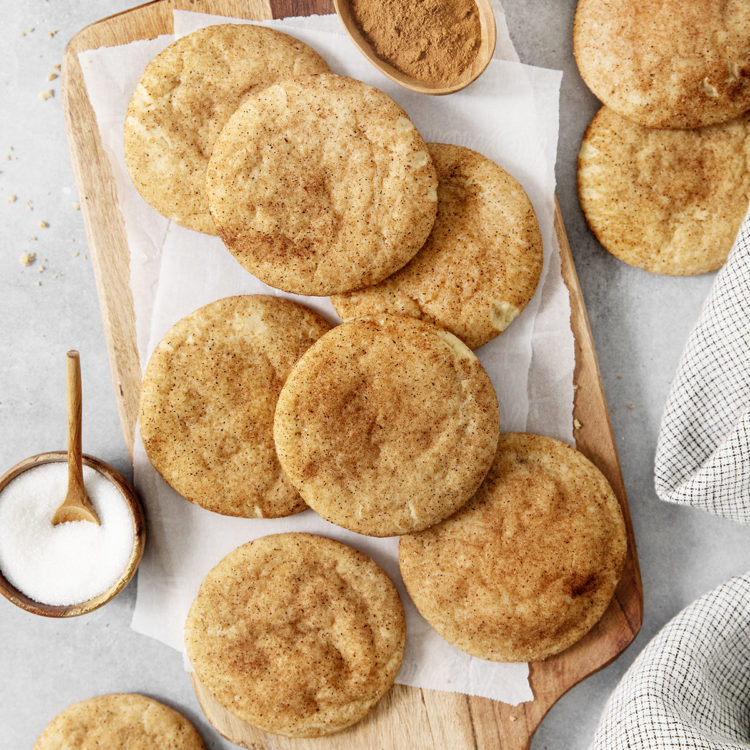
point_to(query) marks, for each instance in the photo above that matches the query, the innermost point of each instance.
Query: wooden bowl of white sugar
(72, 568)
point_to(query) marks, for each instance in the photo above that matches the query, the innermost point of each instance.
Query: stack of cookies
(385, 425)
(663, 172)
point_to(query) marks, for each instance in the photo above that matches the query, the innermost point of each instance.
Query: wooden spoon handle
(75, 469)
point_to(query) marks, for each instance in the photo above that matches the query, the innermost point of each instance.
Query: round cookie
(666, 63)
(296, 634)
(119, 720)
(668, 201)
(480, 264)
(387, 425)
(185, 97)
(320, 185)
(530, 564)
(208, 400)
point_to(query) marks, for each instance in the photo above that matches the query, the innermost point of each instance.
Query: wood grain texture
(407, 718)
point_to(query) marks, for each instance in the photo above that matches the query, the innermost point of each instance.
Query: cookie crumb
(77, 206)
(56, 66)
(629, 406)
(619, 377)
(514, 718)
(52, 33)
(27, 259)
(40, 269)
(575, 387)
(38, 283)
(48, 94)
(76, 254)
(12, 198)
(23, 33)
(31, 29)
(52, 76)
(43, 225)
(577, 425)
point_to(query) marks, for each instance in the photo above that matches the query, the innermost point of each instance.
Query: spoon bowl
(17, 597)
(488, 39)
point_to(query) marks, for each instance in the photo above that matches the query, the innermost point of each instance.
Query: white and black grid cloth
(703, 453)
(690, 687)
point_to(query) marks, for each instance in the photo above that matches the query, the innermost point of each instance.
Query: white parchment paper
(511, 115)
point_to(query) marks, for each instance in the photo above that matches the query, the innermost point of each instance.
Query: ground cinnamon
(433, 41)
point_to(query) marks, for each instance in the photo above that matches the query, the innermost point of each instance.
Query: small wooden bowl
(488, 39)
(20, 599)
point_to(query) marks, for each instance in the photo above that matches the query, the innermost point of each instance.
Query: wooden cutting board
(407, 718)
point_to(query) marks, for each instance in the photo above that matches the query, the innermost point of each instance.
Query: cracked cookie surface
(297, 634)
(666, 63)
(530, 564)
(119, 720)
(184, 98)
(667, 201)
(208, 399)
(321, 184)
(387, 425)
(481, 263)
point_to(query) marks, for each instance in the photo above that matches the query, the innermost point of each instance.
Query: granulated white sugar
(72, 562)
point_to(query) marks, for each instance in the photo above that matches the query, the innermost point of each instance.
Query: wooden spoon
(76, 506)
(488, 39)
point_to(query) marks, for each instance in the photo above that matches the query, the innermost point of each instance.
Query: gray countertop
(639, 321)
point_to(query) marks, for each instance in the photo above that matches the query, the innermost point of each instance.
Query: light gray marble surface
(639, 321)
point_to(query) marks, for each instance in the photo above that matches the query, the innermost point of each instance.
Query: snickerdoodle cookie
(321, 184)
(480, 264)
(530, 564)
(185, 97)
(387, 425)
(296, 634)
(668, 201)
(208, 400)
(119, 720)
(666, 63)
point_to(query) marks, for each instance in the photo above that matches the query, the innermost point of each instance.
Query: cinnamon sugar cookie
(119, 720)
(182, 101)
(530, 564)
(668, 201)
(321, 184)
(387, 425)
(480, 264)
(208, 400)
(666, 63)
(296, 634)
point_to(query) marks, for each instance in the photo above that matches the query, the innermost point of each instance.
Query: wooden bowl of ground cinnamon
(428, 46)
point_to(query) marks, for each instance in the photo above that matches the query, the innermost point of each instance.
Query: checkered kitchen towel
(703, 454)
(690, 687)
